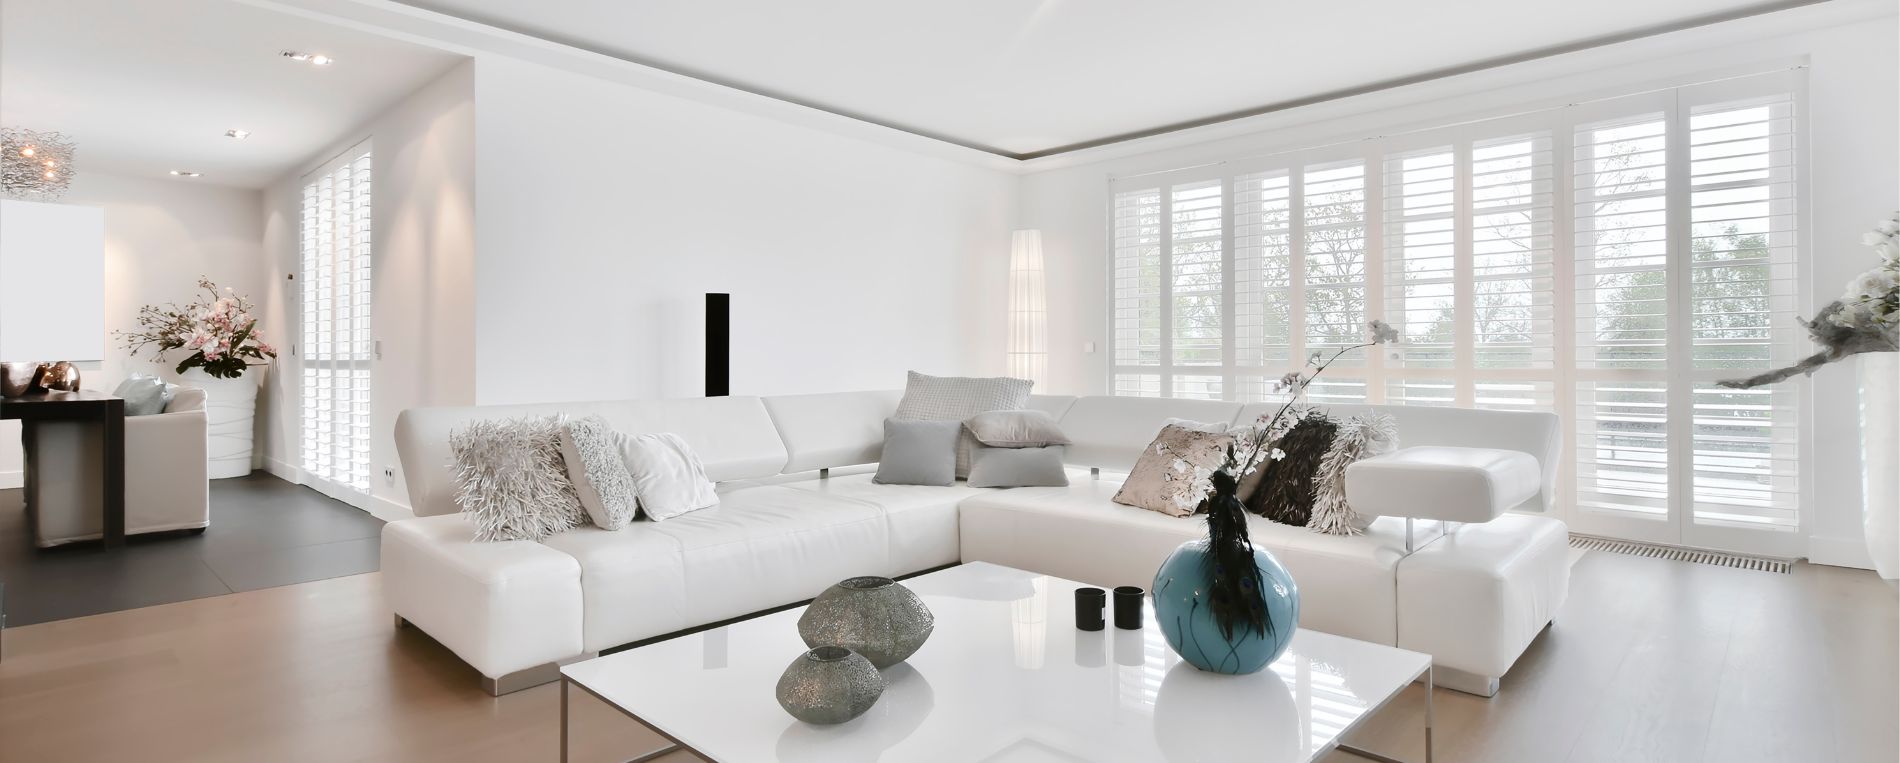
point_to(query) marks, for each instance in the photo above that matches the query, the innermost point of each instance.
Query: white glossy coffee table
(1005, 677)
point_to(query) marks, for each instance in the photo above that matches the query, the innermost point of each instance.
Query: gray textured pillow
(591, 453)
(1015, 429)
(919, 453)
(144, 394)
(957, 398)
(1018, 467)
(513, 484)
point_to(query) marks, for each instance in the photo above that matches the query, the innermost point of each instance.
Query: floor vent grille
(1677, 553)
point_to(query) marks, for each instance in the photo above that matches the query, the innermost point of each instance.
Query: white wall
(160, 235)
(607, 211)
(1854, 73)
(422, 249)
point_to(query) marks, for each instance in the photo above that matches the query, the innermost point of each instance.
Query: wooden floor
(1651, 661)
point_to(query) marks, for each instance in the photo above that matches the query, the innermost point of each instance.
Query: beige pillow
(957, 398)
(1016, 429)
(1174, 473)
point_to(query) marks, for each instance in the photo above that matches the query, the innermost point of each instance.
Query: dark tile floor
(264, 532)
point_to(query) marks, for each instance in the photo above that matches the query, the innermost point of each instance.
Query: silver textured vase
(872, 616)
(830, 684)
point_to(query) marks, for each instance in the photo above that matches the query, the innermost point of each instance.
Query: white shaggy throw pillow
(667, 475)
(1362, 436)
(513, 484)
(599, 474)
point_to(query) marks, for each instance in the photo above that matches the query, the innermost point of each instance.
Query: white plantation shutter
(1197, 277)
(1607, 261)
(1263, 277)
(1621, 225)
(337, 344)
(1137, 277)
(1742, 288)
(1333, 260)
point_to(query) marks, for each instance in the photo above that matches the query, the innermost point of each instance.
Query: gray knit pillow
(957, 398)
(600, 477)
(513, 484)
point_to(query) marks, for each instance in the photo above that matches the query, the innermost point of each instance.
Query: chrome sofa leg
(401, 623)
(1095, 473)
(824, 474)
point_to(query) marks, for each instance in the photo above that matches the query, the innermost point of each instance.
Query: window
(1607, 261)
(337, 345)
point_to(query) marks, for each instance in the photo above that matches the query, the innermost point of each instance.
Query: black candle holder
(1089, 606)
(1128, 603)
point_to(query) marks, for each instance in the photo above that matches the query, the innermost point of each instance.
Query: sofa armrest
(1443, 483)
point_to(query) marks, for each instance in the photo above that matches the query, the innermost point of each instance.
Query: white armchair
(166, 487)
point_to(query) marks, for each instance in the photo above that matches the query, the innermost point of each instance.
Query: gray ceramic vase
(872, 616)
(830, 684)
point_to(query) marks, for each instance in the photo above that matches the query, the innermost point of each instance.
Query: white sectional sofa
(1472, 594)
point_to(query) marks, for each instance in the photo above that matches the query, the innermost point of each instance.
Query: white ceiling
(1021, 77)
(148, 86)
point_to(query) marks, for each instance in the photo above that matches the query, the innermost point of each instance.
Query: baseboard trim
(283, 471)
(12, 479)
(388, 510)
(1839, 552)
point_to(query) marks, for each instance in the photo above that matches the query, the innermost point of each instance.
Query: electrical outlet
(389, 473)
(1088, 347)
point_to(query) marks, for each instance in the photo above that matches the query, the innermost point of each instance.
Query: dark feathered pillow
(1285, 494)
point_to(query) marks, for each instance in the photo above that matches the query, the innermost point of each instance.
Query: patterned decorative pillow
(590, 449)
(957, 398)
(1363, 436)
(1285, 492)
(513, 483)
(1173, 474)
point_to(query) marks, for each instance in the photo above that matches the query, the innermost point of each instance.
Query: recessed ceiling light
(186, 173)
(314, 59)
(239, 134)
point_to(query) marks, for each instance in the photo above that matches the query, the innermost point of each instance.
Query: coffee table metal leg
(1370, 755)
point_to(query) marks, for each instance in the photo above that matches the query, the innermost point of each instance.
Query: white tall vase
(230, 407)
(1880, 458)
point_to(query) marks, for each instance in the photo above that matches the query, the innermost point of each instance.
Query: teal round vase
(1180, 588)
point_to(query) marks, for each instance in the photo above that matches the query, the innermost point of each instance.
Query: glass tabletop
(1006, 676)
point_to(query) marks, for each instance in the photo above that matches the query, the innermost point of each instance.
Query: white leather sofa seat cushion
(1444, 483)
(770, 545)
(632, 581)
(1347, 583)
(502, 607)
(921, 519)
(1476, 598)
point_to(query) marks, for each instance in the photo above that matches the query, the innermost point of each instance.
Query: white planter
(230, 407)
(1880, 458)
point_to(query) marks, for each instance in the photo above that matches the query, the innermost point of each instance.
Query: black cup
(1128, 607)
(1089, 603)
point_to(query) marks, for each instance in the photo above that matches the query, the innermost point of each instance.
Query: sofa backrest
(186, 399)
(1110, 432)
(733, 436)
(836, 429)
(1532, 432)
(832, 429)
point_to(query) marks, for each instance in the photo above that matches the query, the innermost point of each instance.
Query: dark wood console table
(103, 411)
